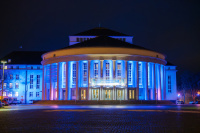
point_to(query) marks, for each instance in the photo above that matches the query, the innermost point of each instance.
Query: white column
(46, 91)
(160, 98)
(51, 89)
(43, 83)
(66, 87)
(126, 81)
(101, 77)
(137, 81)
(58, 81)
(146, 81)
(154, 79)
(114, 76)
(77, 77)
(88, 95)
(164, 83)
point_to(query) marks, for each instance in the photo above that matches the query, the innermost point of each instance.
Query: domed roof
(104, 41)
(100, 31)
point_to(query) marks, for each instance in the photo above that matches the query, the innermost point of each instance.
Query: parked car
(191, 102)
(15, 101)
(5, 102)
(197, 102)
(180, 102)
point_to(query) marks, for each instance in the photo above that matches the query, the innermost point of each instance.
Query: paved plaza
(99, 118)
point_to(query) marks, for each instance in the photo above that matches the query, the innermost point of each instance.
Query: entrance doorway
(95, 94)
(120, 95)
(73, 93)
(83, 94)
(131, 94)
(108, 94)
(63, 95)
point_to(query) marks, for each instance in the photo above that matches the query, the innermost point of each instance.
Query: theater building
(102, 64)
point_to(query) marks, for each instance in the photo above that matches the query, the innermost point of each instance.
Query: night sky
(171, 27)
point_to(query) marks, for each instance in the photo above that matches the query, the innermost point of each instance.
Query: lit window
(140, 73)
(38, 82)
(37, 94)
(30, 94)
(130, 77)
(10, 94)
(10, 85)
(119, 70)
(31, 81)
(107, 71)
(5, 67)
(4, 93)
(169, 84)
(17, 76)
(16, 85)
(16, 94)
(4, 85)
(74, 74)
(84, 73)
(95, 70)
(11, 76)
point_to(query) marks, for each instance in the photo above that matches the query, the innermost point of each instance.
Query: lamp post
(3, 62)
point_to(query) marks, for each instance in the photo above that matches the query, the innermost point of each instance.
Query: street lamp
(3, 62)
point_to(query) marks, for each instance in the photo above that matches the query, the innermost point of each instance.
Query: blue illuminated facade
(98, 64)
(106, 67)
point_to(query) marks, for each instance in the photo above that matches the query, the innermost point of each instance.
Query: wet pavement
(100, 118)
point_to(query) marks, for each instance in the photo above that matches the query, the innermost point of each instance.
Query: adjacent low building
(22, 76)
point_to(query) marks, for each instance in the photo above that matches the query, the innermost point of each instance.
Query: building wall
(150, 78)
(22, 93)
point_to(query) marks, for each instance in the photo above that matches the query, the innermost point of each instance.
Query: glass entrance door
(83, 94)
(73, 92)
(131, 94)
(120, 95)
(95, 94)
(108, 94)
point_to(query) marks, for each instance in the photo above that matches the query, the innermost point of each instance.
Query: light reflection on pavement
(127, 107)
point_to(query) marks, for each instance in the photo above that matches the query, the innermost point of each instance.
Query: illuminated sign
(107, 82)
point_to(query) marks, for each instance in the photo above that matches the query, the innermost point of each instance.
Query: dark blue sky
(171, 27)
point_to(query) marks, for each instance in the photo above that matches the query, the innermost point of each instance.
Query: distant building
(98, 64)
(101, 64)
(23, 76)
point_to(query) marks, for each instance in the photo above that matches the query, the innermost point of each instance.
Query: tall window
(17, 76)
(77, 39)
(16, 94)
(38, 82)
(30, 94)
(149, 74)
(119, 70)
(31, 81)
(4, 85)
(107, 71)
(11, 76)
(84, 73)
(130, 77)
(16, 85)
(74, 74)
(96, 70)
(37, 94)
(10, 85)
(169, 84)
(140, 73)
